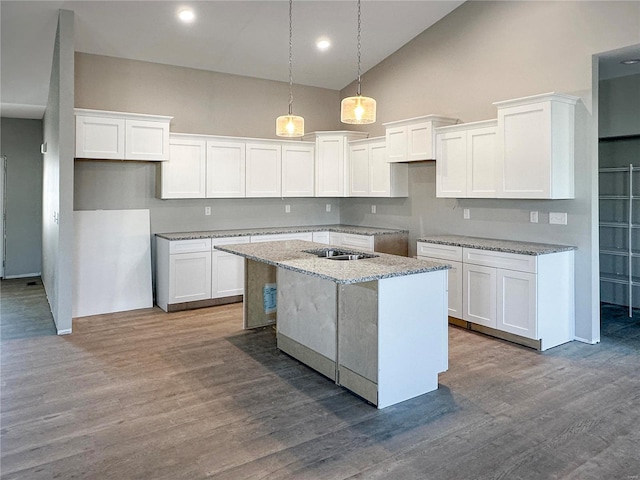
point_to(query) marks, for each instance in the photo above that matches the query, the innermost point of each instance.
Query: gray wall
(57, 191)
(200, 102)
(485, 52)
(619, 112)
(20, 140)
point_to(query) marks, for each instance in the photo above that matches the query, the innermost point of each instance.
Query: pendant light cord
(290, 56)
(359, 44)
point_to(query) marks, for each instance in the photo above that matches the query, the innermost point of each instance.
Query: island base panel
(358, 384)
(257, 275)
(313, 359)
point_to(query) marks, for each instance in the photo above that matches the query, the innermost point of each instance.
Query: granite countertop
(275, 230)
(290, 254)
(507, 246)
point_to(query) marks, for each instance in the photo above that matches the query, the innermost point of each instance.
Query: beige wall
(200, 101)
(485, 52)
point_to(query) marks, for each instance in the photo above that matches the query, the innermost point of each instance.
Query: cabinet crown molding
(128, 115)
(543, 97)
(424, 118)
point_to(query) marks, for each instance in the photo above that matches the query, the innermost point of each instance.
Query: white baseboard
(584, 340)
(66, 331)
(23, 275)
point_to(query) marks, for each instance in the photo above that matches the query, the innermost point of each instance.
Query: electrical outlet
(328, 207)
(533, 217)
(373, 209)
(466, 214)
(207, 210)
(558, 218)
(287, 209)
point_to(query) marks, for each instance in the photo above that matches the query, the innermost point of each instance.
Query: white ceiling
(239, 37)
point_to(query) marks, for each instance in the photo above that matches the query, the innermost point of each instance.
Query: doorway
(619, 181)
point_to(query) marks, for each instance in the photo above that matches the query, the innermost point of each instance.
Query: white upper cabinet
(121, 136)
(413, 139)
(535, 154)
(264, 167)
(226, 164)
(331, 159)
(184, 175)
(298, 170)
(371, 175)
(466, 159)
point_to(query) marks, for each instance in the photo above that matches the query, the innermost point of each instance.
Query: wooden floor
(189, 395)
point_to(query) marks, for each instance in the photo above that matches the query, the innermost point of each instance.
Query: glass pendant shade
(358, 110)
(289, 126)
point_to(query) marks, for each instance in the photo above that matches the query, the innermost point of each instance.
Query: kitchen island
(376, 325)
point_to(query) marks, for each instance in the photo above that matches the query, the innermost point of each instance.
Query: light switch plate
(373, 209)
(287, 209)
(328, 207)
(207, 210)
(558, 218)
(466, 214)
(533, 217)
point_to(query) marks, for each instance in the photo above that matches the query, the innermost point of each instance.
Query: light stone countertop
(289, 254)
(507, 246)
(357, 230)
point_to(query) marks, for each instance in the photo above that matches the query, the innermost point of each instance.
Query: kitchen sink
(339, 254)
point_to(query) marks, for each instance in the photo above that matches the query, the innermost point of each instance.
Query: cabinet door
(524, 153)
(454, 285)
(380, 171)
(330, 166)
(479, 301)
(420, 141)
(359, 171)
(298, 168)
(451, 164)
(184, 175)
(481, 162)
(396, 139)
(517, 300)
(227, 269)
(264, 170)
(225, 169)
(190, 277)
(146, 140)
(101, 138)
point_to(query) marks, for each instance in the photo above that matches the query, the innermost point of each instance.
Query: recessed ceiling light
(186, 15)
(323, 44)
(631, 61)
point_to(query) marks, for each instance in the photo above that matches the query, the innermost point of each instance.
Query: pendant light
(358, 109)
(290, 125)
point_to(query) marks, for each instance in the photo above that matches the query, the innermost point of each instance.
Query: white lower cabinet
(358, 242)
(531, 296)
(276, 237)
(183, 271)
(227, 269)
(451, 255)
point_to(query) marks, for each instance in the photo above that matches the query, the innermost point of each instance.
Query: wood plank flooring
(190, 395)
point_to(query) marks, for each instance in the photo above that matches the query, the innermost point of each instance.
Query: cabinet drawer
(229, 240)
(443, 252)
(509, 261)
(363, 242)
(188, 246)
